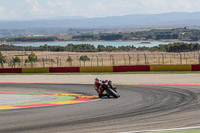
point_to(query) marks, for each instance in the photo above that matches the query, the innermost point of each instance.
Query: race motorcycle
(108, 88)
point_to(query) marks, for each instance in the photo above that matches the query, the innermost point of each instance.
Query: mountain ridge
(126, 21)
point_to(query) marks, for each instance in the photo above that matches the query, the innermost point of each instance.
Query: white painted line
(161, 130)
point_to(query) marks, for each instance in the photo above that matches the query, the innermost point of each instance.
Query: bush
(17, 59)
(2, 58)
(84, 58)
(27, 61)
(69, 59)
(32, 57)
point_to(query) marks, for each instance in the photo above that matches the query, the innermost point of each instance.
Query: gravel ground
(116, 78)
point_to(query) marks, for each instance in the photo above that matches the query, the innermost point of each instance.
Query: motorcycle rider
(99, 87)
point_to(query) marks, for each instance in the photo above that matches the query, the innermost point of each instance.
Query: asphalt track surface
(139, 108)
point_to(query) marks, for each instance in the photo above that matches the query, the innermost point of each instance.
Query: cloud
(163, 6)
(1, 9)
(50, 8)
(36, 8)
(93, 8)
(98, 6)
(154, 6)
(8, 14)
(185, 5)
(14, 14)
(61, 7)
(62, 4)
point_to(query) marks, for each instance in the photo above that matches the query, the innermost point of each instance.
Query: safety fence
(103, 69)
(64, 59)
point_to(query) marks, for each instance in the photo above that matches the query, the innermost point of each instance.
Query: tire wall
(10, 70)
(195, 67)
(64, 69)
(170, 68)
(96, 69)
(131, 68)
(35, 70)
(137, 68)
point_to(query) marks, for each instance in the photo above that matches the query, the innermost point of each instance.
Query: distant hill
(129, 21)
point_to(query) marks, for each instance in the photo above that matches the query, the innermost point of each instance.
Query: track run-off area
(141, 107)
(26, 100)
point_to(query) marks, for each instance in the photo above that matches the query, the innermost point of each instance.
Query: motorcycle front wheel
(112, 93)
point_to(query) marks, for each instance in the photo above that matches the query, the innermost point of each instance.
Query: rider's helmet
(97, 79)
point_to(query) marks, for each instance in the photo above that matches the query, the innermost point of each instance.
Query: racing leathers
(99, 87)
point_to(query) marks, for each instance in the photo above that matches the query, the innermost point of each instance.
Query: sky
(32, 9)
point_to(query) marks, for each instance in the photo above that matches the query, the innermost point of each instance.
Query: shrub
(84, 58)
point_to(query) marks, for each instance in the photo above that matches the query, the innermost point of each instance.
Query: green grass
(181, 131)
(107, 73)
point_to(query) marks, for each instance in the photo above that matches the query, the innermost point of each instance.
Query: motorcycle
(109, 89)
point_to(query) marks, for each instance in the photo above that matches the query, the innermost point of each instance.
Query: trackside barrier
(131, 68)
(170, 68)
(195, 67)
(64, 69)
(35, 70)
(103, 69)
(96, 69)
(10, 70)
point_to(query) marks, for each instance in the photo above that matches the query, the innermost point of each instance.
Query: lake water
(105, 43)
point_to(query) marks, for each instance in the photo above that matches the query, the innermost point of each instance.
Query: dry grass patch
(59, 59)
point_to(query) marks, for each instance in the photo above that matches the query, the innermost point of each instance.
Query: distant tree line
(69, 48)
(180, 34)
(174, 47)
(155, 34)
(29, 39)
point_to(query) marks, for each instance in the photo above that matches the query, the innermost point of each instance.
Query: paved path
(116, 78)
(138, 108)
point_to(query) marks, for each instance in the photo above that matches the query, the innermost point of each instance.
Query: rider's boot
(100, 95)
(104, 95)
